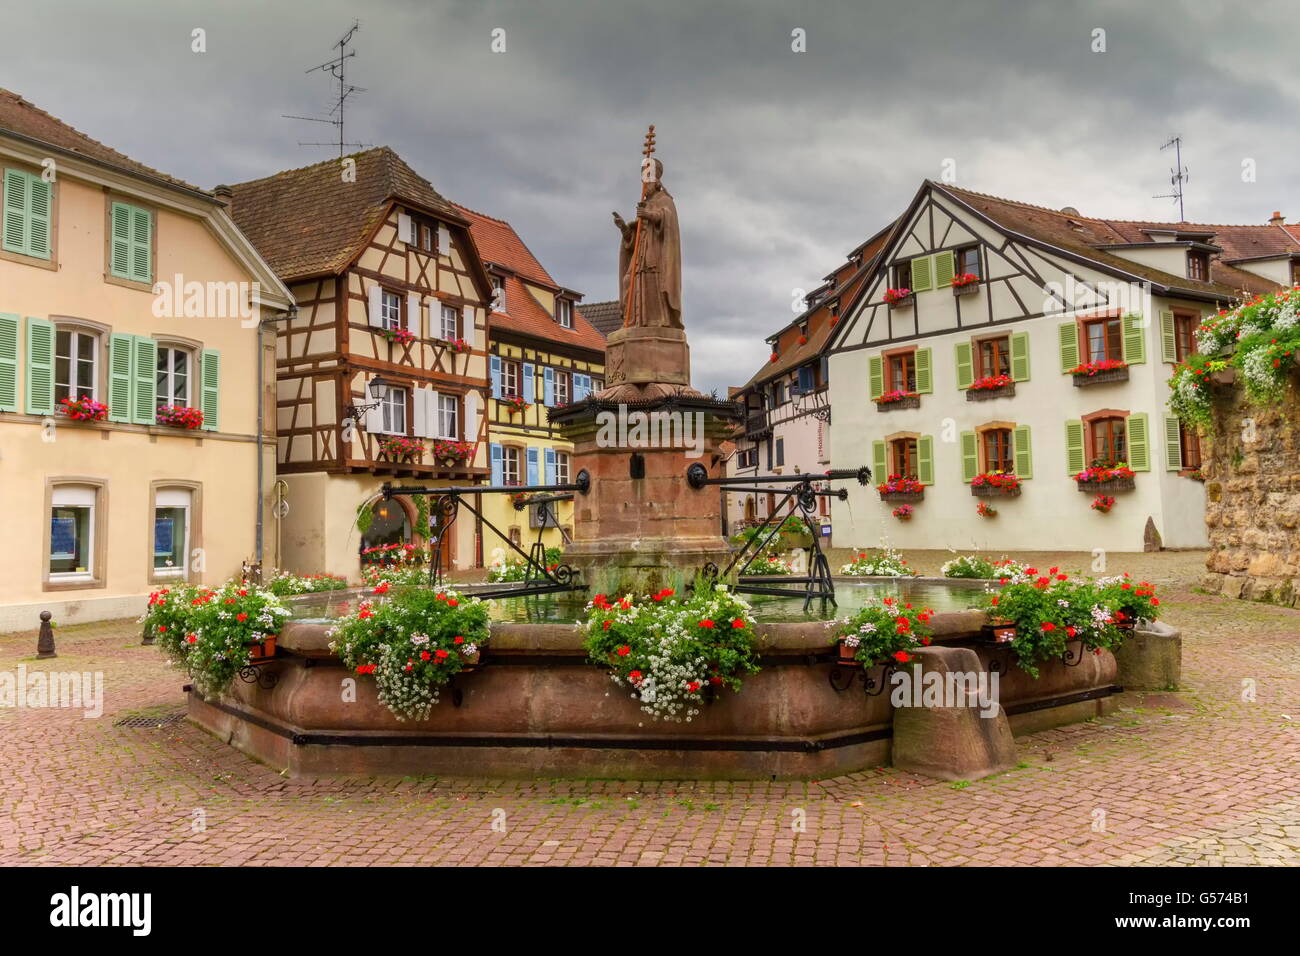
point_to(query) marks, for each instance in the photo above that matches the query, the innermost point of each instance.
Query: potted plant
(84, 409)
(452, 453)
(985, 510)
(884, 631)
(179, 416)
(515, 404)
(399, 334)
(899, 298)
(897, 399)
(989, 387)
(965, 283)
(885, 562)
(903, 512)
(794, 533)
(995, 484)
(1103, 503)
(399, 448)
(459, 346)
(1101, 477)
(901, 488)
(1100, 372)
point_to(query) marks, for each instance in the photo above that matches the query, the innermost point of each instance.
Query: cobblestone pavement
(1194, 777)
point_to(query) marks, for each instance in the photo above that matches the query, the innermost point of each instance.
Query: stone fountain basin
(538, 708)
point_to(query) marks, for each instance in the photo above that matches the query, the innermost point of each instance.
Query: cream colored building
(123, 286)
(1052, 290)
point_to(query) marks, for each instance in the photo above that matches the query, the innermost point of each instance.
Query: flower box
(1224, 376)
(985, 394)
(84, 409)
(901, 496)
(400, 449)
(1000, 633)
(1082, 379)
(995, 484)
(263, 650)
(179, 416)
(969, 288)
(1109, 486)
(899, 298)
(847, 653)
(790, 540)
(993, 491)
(884, 404)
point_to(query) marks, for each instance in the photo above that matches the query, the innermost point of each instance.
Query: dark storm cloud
(780, 161)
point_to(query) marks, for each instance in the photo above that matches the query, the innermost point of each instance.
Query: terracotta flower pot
(262, 651)
(468, 660)
(847, 653)
(1004, 633)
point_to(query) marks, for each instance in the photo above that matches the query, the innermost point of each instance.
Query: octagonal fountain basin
(537, 707)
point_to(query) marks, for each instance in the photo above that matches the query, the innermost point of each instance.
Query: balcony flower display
(899, 398)
(459, 346)
(985, 510)
(963, 279)
(84, 409)
(516, 403)
(1091, 369)
(401, 448)
(885, 631)
(179, 416)
(1104, 477)
(895, 296)
(900, 488)
(990, 383)
(1103, 503)
(452, 453)
(903, 512)
(993, 483)
(400, 334)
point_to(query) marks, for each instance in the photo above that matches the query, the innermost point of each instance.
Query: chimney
(1277, 220)
(224, 194)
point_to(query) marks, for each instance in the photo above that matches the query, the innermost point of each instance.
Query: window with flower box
(392, 409)
(1108, 440)
(997, 447)
(967, 260)
(390, 310)
(510, 378)
(998, 455)
(902, 457)
(173, 382)
(993, 356)
(76, 364)
(1103, 340)
(900, 372)
(449, 330)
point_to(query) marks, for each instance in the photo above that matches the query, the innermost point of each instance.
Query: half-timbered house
(391, 288)
(542, 353)
(996, 336)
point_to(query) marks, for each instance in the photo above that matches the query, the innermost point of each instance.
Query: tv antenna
(337, 68)
(1178, 176)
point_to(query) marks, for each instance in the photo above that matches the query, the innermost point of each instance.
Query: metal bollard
(45, 642)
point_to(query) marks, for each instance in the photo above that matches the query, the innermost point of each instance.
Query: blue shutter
(530, 386)
(550, 466)
(498, 464)
(806, 378)
(548, 386)
(496, 376)
(533, 477)
(581, 387)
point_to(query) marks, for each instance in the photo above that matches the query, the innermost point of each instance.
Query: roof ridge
(481, 215)
(284, 173)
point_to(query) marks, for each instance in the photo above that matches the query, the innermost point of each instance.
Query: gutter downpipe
(262, 326)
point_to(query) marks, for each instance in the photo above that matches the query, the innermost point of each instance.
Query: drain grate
(150, 721)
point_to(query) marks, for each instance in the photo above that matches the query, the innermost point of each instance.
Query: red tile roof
(20, 116)
(498, 243)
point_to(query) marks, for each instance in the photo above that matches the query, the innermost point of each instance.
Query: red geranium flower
(241, 617)
(738, 623)
(624, 651)
(902, 656)
(706, 623)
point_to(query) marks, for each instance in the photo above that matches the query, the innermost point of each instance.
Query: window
(450, 329)
(993, 357)
(1104, 339)
(131, 248)
(562, 467)
(171, 530)
(902, 457)
(173, 386)
(390, 310)
(392, 408)
(72, 531)
(1295, 273)
(998, 455)
(448, 416)
(564, 313)
(498, 294)
(900, 372)
(426, 238)
(778, 394)
(561, 387)
(1198, 265)
(27, 214)
(76, 356)
(1185, 335)
(966, 260)
(510, 465)
(1108, 439)
(510, 379)
(903, 275)
(1190, 442)
(780, 451)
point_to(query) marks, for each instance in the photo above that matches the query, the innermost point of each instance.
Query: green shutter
(943, 269)
(1024, 452)
(1139, 455)
(1135, 342)
(925, 460)
(40, 367)
(120, 256)
(210, 363)
(1069, 334)
(145, 372)
(965, 365)
(120, 348)
(1173, 443)
(15, 212)
(924, 372)
(8, 362)
(1168, 339)
(875, 376)
(1074, 456)
(39, 198)
(1020, 356)
(922, 274)
(879, 463)
(970, 457)
(141, 245)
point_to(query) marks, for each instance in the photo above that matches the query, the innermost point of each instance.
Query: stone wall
(1252, 511)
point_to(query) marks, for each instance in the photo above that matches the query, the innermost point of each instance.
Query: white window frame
(68, 389)
(511, 461)
(563, 381)
(167, 396)
(448, 412)
(390, 310)
(183, 499)
(499, 294)
(510, 370)
(73, 495)
(562, 463)
(449, 323)
(564, 313)
(392, 409)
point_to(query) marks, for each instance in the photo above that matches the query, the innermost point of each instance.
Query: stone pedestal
(1152, 659)
(643, 356)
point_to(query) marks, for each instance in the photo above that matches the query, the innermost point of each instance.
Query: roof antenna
(337, 68)
(1179, 175)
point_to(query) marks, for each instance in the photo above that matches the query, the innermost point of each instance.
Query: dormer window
(1198, 265)
(498, 294)
(564, 313)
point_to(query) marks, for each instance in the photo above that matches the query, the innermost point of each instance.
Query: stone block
(1151, 659)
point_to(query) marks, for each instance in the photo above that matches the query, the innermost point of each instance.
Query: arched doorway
(389, 529)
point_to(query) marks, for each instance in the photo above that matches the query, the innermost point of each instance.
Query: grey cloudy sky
(780, 161)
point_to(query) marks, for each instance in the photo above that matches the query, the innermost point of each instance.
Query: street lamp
(378, 388)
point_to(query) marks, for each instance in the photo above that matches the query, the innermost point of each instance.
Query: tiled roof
(20, 116)
(498, 243)
(309, 221)
(1081, 234)
(606, 317)
(527, 316)
(1237, 242)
